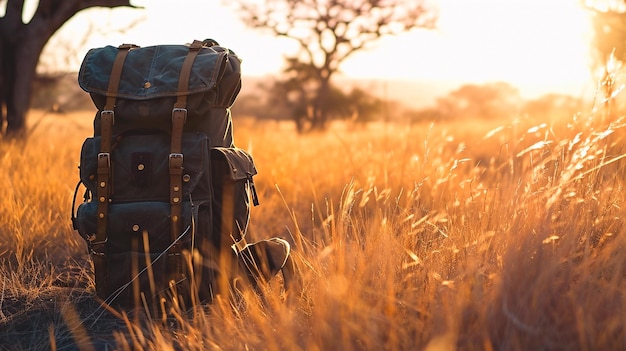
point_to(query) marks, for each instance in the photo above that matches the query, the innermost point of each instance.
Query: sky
(539, 46)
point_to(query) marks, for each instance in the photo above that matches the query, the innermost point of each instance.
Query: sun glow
(533, 44)
(537, 46)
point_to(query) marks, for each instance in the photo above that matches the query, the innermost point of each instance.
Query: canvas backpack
(167, 199)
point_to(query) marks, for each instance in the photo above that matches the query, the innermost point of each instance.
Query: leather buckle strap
(116, 74)
(110, 113)
(104, 170)
(176, 193)
(179, 113)
(176, 181)
(103, 179)
(179, 117)
(185, 73)
(176, 163)
(104, 163)
(102, 193)
(107, 119)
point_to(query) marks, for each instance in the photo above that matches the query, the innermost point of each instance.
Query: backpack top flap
(153, 72)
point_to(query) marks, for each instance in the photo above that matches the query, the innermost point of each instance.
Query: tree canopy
(327, 33)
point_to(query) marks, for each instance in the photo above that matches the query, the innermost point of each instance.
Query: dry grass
(464, 235)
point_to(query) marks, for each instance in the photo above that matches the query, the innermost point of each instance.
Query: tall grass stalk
(503, 235)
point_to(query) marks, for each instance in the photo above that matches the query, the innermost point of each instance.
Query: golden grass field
(467, 235)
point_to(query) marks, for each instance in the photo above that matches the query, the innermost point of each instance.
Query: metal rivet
(92, 177)
(176, 188)
(103, 184)
(186, 178)
(141, 167)
(147, 85)
(136, 228)
(101, 215)
(175, 218)
(175, 200)
(102, 199)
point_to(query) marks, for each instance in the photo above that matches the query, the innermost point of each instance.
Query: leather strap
(176, 172)
(107, 119)
(185, 73)
(116, 75)
(179, 117)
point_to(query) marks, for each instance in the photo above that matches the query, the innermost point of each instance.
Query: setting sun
(536, 45)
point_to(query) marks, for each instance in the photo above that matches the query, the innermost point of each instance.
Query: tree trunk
(20, 47)
(320, 105)
(19, 71)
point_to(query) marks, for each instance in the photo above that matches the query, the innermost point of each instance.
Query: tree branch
(329, 31)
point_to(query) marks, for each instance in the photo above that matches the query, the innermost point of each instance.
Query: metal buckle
(93, 244)
(108, 112)
(106, 157)
(176, 160)
(178, 110)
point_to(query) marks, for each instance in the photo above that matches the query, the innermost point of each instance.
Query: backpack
(167, 200)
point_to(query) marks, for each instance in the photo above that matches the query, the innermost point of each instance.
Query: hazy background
(537, 46)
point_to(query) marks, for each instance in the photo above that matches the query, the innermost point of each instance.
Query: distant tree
(429, 114)
(327, 33)
(284, 99)
(21, 45)
(552, 106)
(362, 107)
(472, 101)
